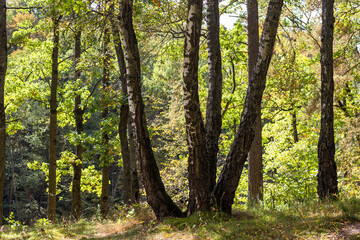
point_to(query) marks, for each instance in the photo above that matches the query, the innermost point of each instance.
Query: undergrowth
(312, 220)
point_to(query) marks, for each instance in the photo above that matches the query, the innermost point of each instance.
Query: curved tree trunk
(225, 188)
(79, 113)
(131, 185)
(51, 211)
(3, 68)
(213, 110)
(157, 197)
(327, 175)
(255, 167)
(104, 202)
(198, 167)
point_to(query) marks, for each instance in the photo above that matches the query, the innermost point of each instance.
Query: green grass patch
(314, 220)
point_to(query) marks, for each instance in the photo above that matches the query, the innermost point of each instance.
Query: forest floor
(340, 220)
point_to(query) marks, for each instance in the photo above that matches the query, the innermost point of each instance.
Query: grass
(315, 220)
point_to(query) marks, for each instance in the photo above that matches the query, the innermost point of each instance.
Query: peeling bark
(198, 166)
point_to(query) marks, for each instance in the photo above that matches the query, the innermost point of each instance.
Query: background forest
(89, 80)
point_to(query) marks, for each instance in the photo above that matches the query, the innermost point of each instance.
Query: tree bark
(157, 197)
(225, 188)
(255, 166)
(79, 120)
(3, 68)
(198, 167)
(294, 125)
(327, 175)
(104, 203)
(213, 110)
(131, 185)
(51, 211)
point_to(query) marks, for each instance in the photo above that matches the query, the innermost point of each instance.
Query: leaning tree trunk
(130, 190)
(157, 197)
(327, 175)
(3, 67)
(213, 110)
(79, 123)
(198, 167)
(104, 202)
(255, 167)
(225, 188)
(51, 211)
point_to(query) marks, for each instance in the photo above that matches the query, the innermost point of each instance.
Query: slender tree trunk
(327, 175)
(213, 110)
(135, 186)
(3, 68)
(225, 188)
(255, 167)
(51, 211)
(79, 113)
(157, 197)
(130, 191)
(198, 167)
(294, 125)
(104, 204)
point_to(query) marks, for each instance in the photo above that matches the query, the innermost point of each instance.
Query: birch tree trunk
(225, 188)
(131, 185)
(213, 110)
(327, 175)
(198, 166)
(157, 197)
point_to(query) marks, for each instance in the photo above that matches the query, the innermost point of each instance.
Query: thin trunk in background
(327, 175)
(228, 182)
(79, 123)
(198, 165)
(255, 166)
(51, 211)
(3, 68)
(213, 110)
(157, 197)
(104, 202)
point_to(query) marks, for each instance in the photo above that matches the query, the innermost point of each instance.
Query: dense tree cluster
(112, 102)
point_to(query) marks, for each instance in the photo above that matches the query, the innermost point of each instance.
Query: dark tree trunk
(213, 110)
(294, 125)
(225, 188)
(157, 197)
(3, 67)
(327, 175)
(255, 167)
(79, 113)
(104, 203)
(51, 211)
(130, 191)
(198, 167)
